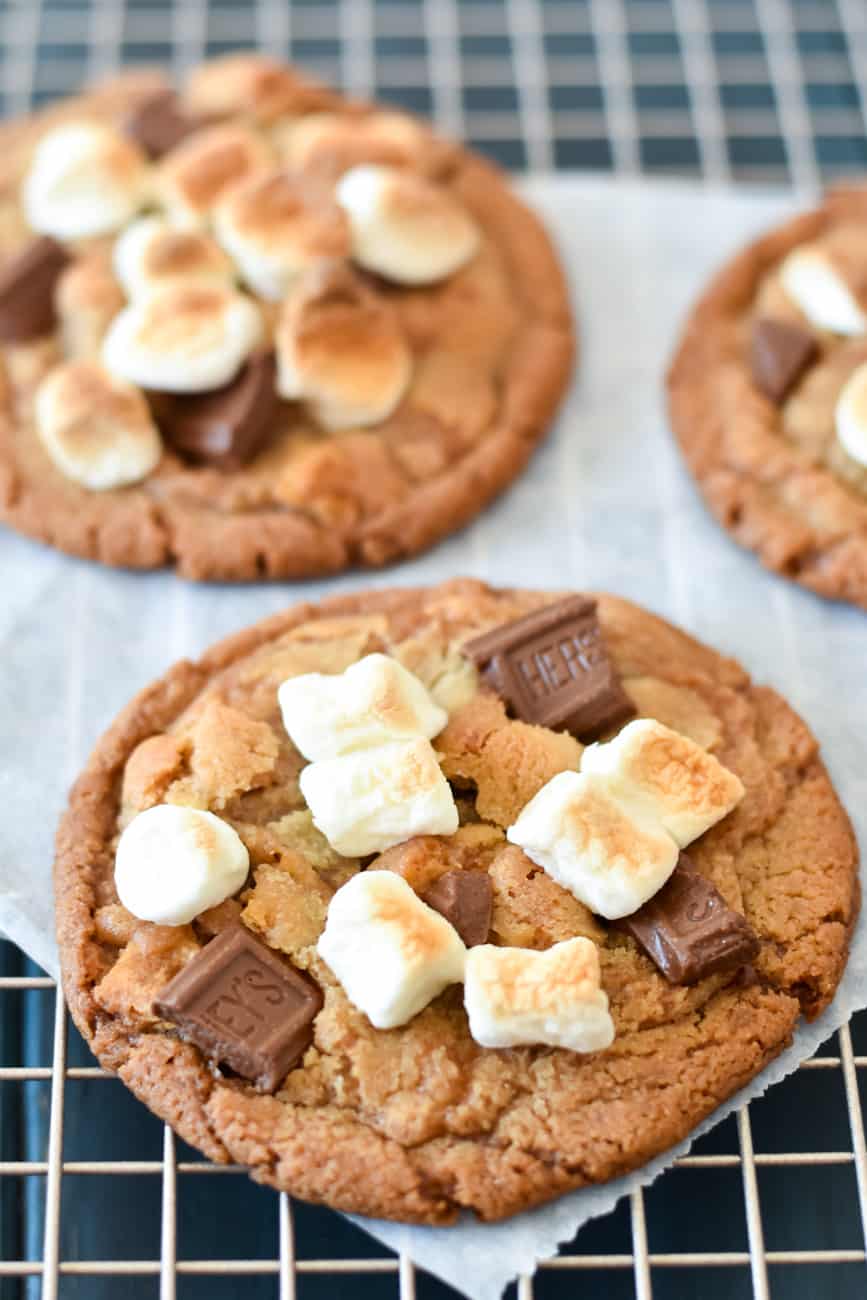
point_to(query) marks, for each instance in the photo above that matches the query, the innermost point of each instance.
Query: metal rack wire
(717, 89)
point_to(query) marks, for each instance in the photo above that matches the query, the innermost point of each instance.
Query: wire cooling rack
(97, 1199)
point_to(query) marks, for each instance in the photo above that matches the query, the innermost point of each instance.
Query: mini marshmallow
(813, 282)
(252, 85)
(187, 338)
(152, 254)
(85, 179)
(194, 176)
(404, 227)
(87, 299)
(851, 415)
(517, 996)
(340, 348)
(391, 952)
(274, 227)
(667, 776)
(97, 430)
(611, 858)
(375, 137)
(366, 801)
(376, 700)
(173, 863)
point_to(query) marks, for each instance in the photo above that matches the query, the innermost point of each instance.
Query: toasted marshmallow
(85, 179)
(348, 140)
(648, 766)
(403, 227)
(611, 858)
(813, 282)
(152, 254)
(390, 951)
(851, 415)
(274, 227)
(97, 430)
(517, 996)
(341, 349)
(366, 801)
(376, 700)
(249, 84)
(188, 338)
(194, 176)
(174, 863)
(87, 299)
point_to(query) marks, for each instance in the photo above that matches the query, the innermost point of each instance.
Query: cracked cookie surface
(419, 1123)
(775, 475)
(489, 351)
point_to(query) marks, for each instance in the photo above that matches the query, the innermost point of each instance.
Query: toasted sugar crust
(420, 1123)
(774, 479)
(390, 492)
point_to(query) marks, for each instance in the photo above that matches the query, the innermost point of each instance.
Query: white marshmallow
(340, 348)
(366, 801)
(660, 774)
(404, 227)
(152, 254)
(345, 140)
(173, 863)
(97, 430)
(374, 701)
(390, 951)
(516, 996)
(192, 178)
(187, 338)
(851, 415)
(274, 227)
(812, 281)
(85, 179)
(612, 858)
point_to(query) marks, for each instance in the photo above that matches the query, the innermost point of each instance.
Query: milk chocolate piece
(465, 899)
(159, 122)
(689, 930)
(226, 427)
(779, 354)
(551, 667)
(27, 284)
(243, 1006)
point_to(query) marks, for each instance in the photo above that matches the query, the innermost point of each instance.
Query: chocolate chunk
(226, 427)
(551, 667)
(159, 122)
(689, 930)
(779, 354)
(465, 899)
(27, 284)
(242, 1005)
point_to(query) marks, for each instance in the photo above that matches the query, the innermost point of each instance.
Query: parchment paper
(606, 503)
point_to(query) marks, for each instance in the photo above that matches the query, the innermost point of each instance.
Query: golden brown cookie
(419, 1122)
(754, 397)
(351, 334)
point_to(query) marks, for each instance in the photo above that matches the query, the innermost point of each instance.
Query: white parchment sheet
(606, 503)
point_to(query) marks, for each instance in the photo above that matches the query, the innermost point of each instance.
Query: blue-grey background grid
(97, 1200)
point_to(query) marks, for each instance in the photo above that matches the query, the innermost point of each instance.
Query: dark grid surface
(96, 1198)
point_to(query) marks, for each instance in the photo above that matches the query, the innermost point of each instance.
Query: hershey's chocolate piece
(689, 930)
(465, 899)
(779, 354)
(551, 667)
(27, 284)
(158, 123)
(242, 1005)
(226, 427)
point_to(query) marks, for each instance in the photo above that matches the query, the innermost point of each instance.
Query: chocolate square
(688, 930)
(780, 352)
(224, 428)
(242, 1005)
(465, 899)
(552, 669)
(159, 122)
(27, 284)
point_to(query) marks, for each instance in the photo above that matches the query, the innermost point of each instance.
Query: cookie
(766, 397)
(255, 329)
(429, 954)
